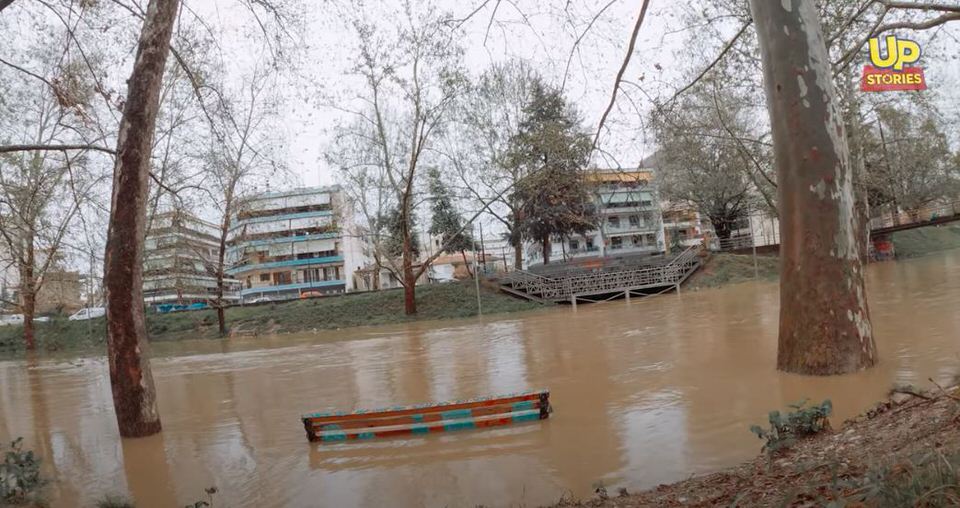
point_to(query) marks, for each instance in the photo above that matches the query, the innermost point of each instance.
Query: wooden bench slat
(316, 418)
(428, 427)
(374, 421)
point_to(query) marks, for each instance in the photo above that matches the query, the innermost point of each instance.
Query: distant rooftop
(298, 191)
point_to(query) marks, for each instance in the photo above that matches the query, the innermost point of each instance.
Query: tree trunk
(409, 280)
(517, 254)
(463, 254)
(546, 249)
(221, 256)
(28, 297)
(134, 394)
(824, 320)
(721, 226)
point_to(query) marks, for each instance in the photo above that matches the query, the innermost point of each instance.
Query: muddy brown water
(645, 392)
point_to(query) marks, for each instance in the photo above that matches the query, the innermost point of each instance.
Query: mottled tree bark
(824, 320)
(134, 395)
(545, 243)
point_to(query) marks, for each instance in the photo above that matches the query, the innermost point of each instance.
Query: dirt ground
(880, 458)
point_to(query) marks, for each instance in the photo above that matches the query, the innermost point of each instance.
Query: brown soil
(831, 466)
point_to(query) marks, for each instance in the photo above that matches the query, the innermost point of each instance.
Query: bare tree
(240, 154)
(824, 320)
(410, 84)
(36, 205)
(910, 163)
(491, 114)
(710, 156)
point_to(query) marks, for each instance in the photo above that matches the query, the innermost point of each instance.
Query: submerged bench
(428, 418)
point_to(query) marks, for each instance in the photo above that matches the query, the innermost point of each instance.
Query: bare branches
(952, 13)
(623, 69)
(576, 43)
(708, 68)
(59, 148)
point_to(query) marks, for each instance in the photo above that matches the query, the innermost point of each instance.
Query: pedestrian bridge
(577, 284)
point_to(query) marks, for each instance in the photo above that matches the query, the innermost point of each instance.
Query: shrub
(785, 429)
(20, 480)
(114, 501)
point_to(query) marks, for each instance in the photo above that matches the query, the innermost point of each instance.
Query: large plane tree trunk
(134, 395)
(824, 320)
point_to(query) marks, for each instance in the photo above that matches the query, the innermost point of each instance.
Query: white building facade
(290, 244)
(179, 264)
(630, 220)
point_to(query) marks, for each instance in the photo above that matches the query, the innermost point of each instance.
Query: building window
(614, 221)
(590, 244)
(636, 241)
(574, 245)
(634, 221)
(264, 277)
(616, 243)
(281, 278)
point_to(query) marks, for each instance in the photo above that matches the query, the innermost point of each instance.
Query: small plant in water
(115, 501)
(785, 429)
(20, 480)
(208, 502)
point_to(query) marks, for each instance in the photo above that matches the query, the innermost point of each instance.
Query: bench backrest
(427, 418)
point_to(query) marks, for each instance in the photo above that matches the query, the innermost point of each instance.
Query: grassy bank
(922, 241)
(441, 301)
(723, 269)
(903, 452)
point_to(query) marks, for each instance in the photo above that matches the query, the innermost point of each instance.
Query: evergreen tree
(446, 221)
(555, 198)
(393, 243)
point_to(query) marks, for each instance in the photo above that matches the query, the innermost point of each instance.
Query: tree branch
(59, 148)
(723, 52)
(623, 69)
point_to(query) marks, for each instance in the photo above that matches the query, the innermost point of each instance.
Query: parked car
(11, 319)
(311, 294)
(89, 313)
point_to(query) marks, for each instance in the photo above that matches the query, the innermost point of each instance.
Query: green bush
(20, 479)
(785, 429)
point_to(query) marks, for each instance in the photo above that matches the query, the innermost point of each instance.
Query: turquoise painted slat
(459, 425)
(524, 404)
(456, 414)
(526, 417)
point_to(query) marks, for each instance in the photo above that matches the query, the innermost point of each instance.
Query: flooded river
(644, 392)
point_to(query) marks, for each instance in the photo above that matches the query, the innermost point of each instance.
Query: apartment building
(290, 244)
(630, 219)
(179, 263)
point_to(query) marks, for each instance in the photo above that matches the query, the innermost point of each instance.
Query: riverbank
(903, 452)
(434, 302)
(722, 269)
(922, 241)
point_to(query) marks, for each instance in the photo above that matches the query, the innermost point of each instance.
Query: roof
(620, 175)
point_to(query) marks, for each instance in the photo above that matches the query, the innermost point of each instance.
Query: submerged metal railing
(564, 288)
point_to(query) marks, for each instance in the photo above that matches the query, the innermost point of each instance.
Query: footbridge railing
(607, 282)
